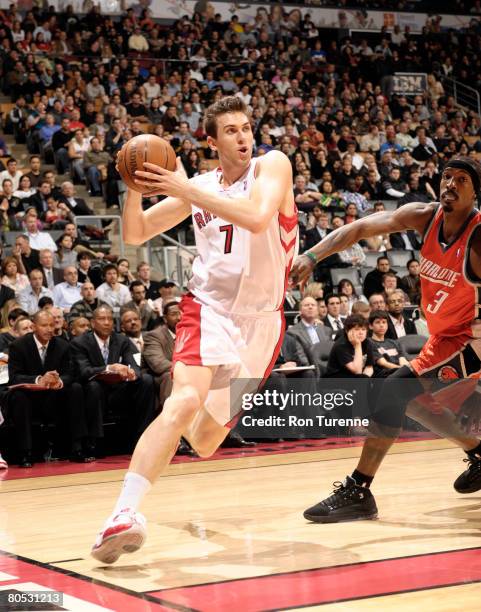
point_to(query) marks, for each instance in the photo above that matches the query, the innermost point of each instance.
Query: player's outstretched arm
(139, 225)
(273, 181)
(410, 216)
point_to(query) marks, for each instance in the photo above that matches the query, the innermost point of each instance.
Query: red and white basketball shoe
(123, 533)
(3, 464)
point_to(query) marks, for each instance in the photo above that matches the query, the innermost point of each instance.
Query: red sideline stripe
(121, 462)
(89, 591)
(331, 584)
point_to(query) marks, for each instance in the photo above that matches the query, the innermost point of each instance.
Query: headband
(467, 167)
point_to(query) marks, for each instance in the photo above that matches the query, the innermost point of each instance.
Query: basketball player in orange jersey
(232, 325)
(451, 300)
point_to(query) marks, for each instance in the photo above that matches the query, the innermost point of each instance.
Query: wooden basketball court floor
(227, 534)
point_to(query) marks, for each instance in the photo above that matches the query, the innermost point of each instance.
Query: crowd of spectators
(82, 86)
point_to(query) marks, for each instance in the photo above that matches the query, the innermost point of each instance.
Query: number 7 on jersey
(229, 231)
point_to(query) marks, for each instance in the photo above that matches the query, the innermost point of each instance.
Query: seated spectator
(29, 256)
(140, 305)
(167, 289)
(87, 305)
(57, 215)
(394, 187)
(377, 302)
(78, 206)
(38, 240)
(95, 162)
(308, 331)
(345, 287)
(411, 283)
(329, 198)
(102, 350)
(152, 287)
(65, 294)
(388, 354)
(304, 198)
(389, 284)
(111, 291)
(421, 324)
(319, 231)
(30, 296)
(407, 240)
(371, 141)
(44, 360)
(10, 334)
(159, 349)
(39, 198)
(360, 308)
(125, 275)
(51, 276)
(352, 197)
(85, 271)
(136, 110)
(130, 326)
(373, 279)
(65, 257)
(352, 355)
(59, 323)
(78, 327)
(398, 324)
(11, 173)
(424, 149)
(333, 319)
(372, 187)
(25, 190)
(77, 148)
(11, 276)
(60, 144)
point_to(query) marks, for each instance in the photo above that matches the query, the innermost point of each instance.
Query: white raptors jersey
(237, 271)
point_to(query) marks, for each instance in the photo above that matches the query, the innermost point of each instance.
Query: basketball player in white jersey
(232, 324)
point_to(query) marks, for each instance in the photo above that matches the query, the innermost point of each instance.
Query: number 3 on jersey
(229, 231)
(436, 304)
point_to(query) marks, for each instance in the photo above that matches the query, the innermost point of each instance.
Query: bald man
(67, 293)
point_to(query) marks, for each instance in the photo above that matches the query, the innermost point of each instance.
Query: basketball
(140, 149)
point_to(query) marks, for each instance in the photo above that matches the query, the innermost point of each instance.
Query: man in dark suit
(398, 324)
(103, 350)
(333, 319)
(307, 332)
(39, 199)
(405, 240)
(77, 205)
(43, 360)
(313, 236)
(51, 276)
(159, 349)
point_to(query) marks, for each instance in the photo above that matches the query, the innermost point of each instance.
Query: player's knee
(183, 406)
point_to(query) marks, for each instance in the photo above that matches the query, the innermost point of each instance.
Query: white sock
(133, 490)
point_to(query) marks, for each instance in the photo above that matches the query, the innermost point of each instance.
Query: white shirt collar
(101, 342)
(39, 344)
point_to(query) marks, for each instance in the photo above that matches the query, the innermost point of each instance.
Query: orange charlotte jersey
(451, 298)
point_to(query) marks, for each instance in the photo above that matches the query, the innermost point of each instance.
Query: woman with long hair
(65, 256)
(345, 287)
(125, 275)
(11, 277)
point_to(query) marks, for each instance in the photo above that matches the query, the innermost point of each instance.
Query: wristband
(311, 256)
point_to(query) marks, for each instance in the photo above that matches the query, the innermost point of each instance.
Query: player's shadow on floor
(263, 554)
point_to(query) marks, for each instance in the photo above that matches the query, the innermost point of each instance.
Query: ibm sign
(409, 83)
